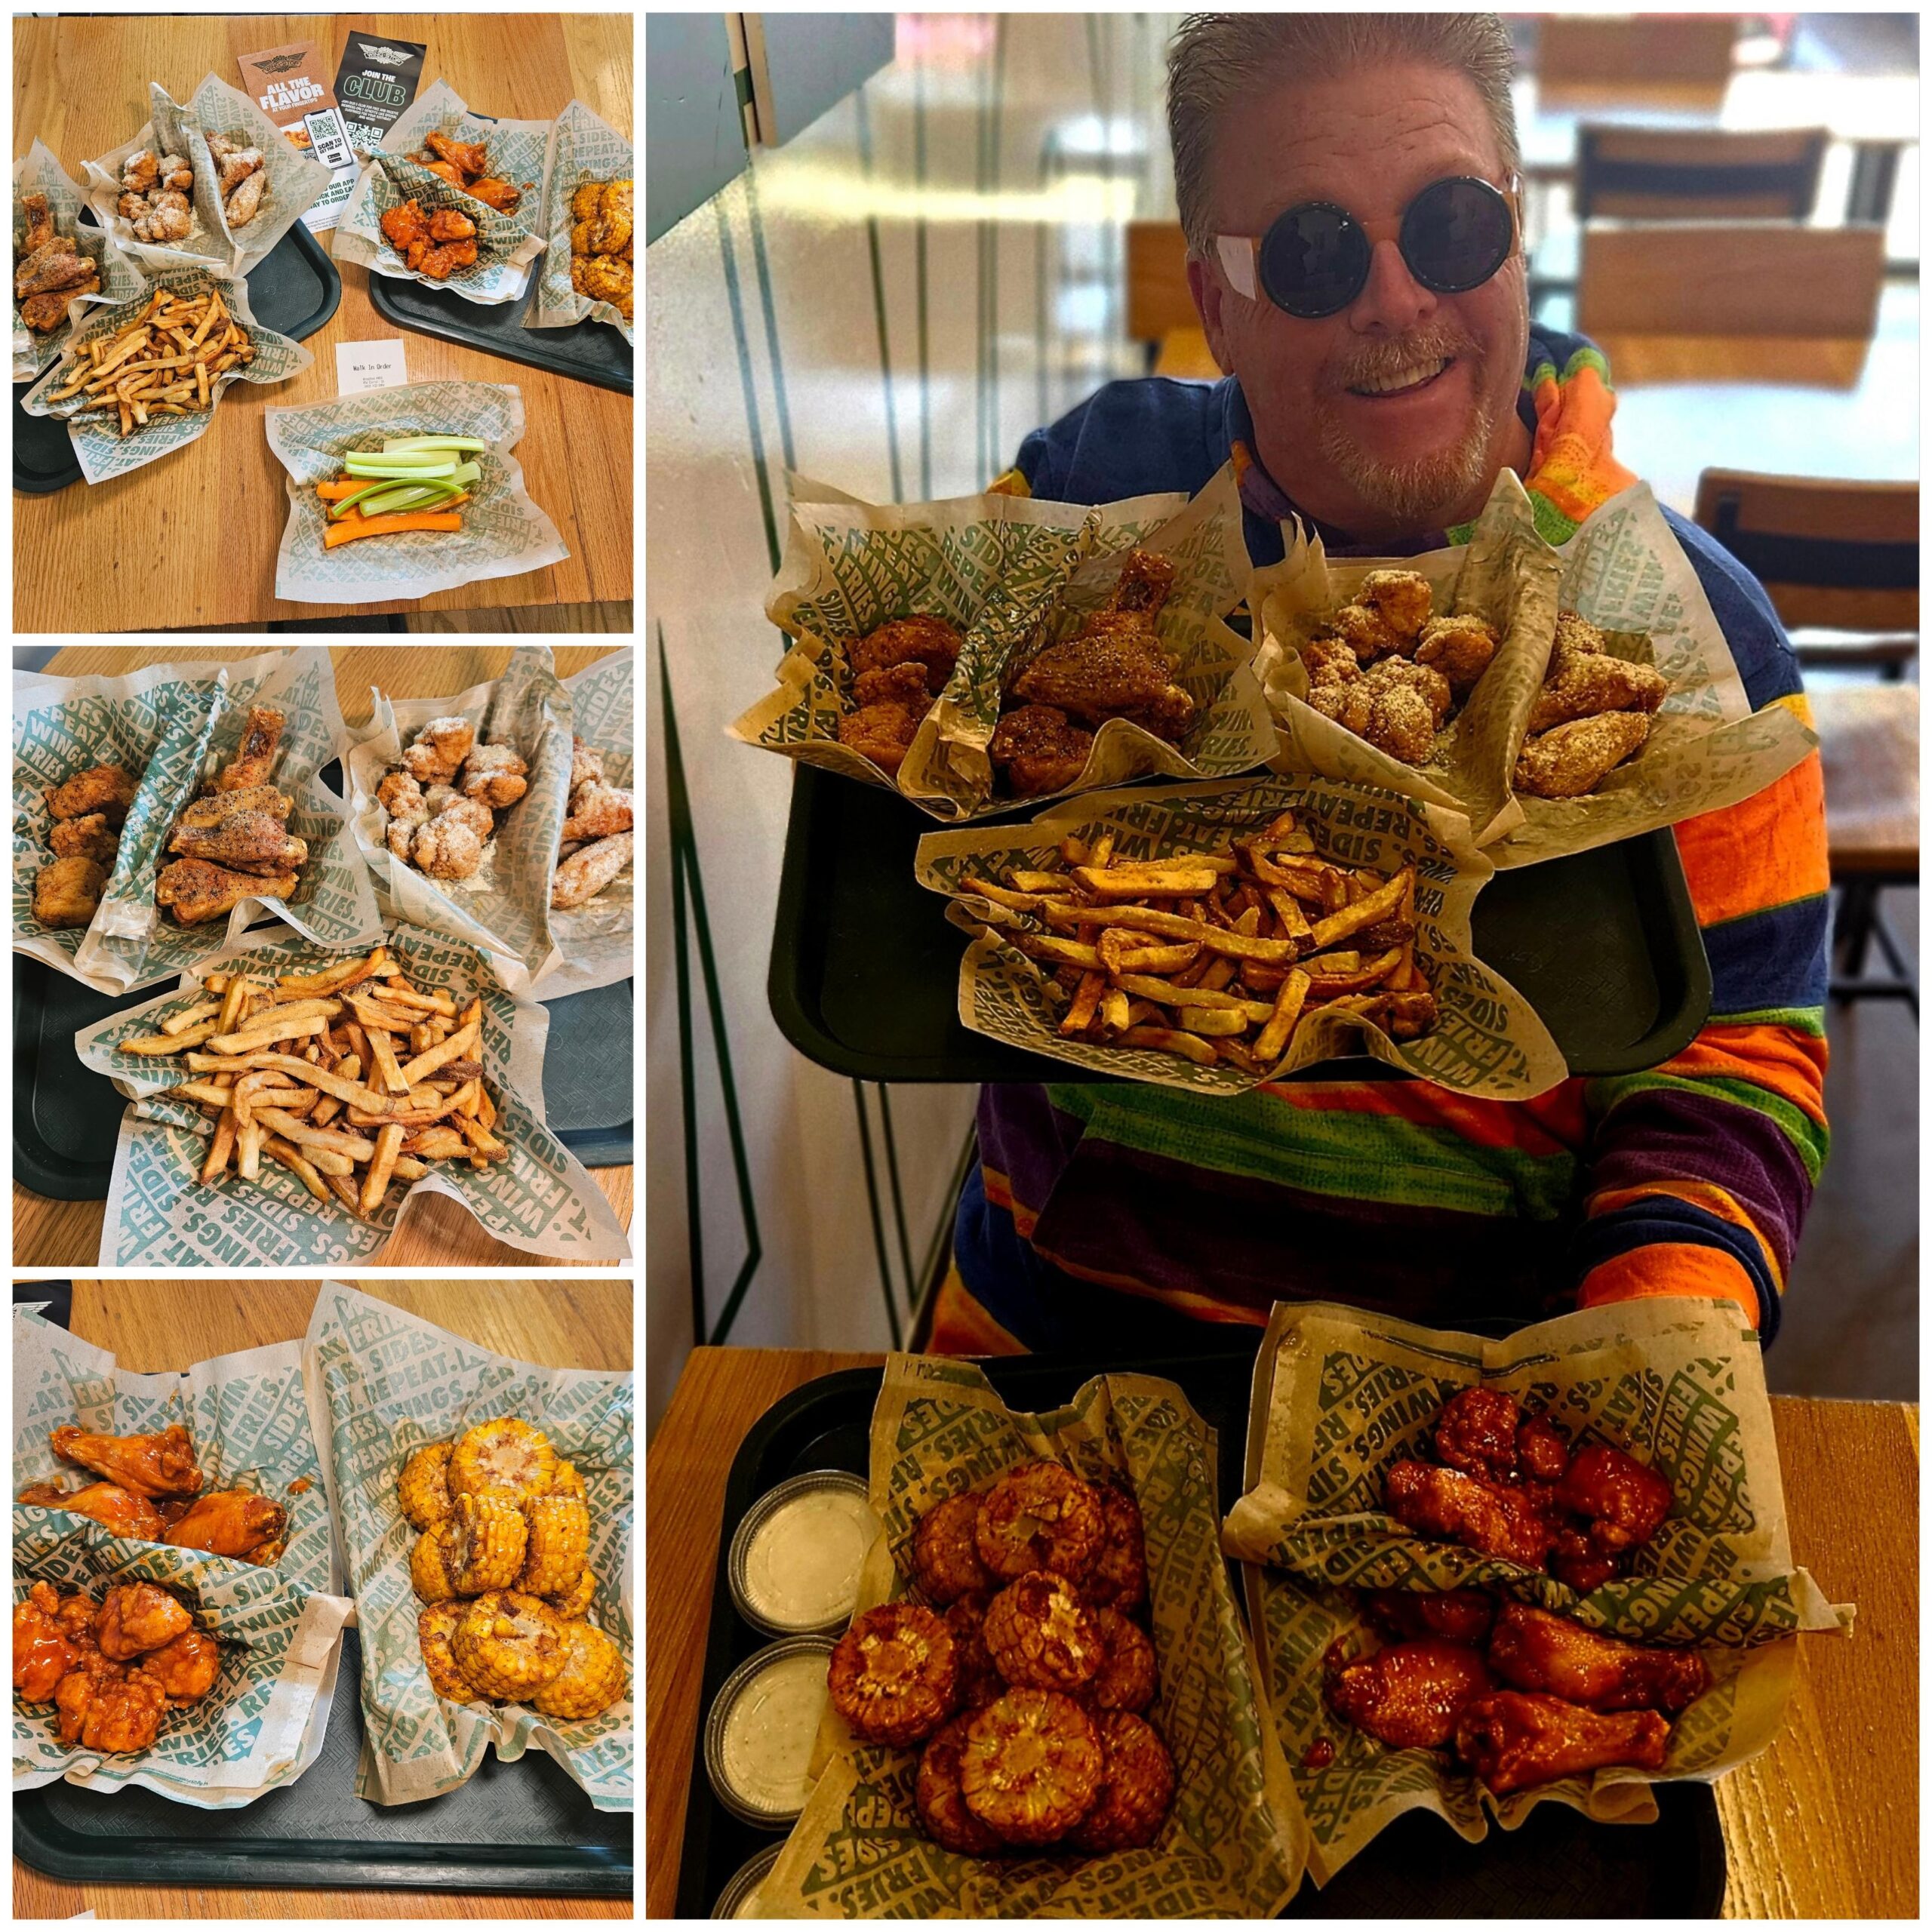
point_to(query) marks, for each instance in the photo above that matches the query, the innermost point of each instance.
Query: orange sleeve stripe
(1780, 1059)
(1765, 850)
(960, 1326)
(1700, 1194)
(1670, 1268)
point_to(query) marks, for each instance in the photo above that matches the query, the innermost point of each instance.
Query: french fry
(193, 1016)
(248, 1147)
(1172, 925)
(480, 1137)
(352, 1145)
(1178, 881)
(458, 1043)
(278, 1149)
(375, 1183)
(1170, 1040)
(216, 1165)
(1366, 912)
(383, 1056)
(169, 1043)
(232, 1000)
(1086, 1003)
(1000, 895)
(1280, 1028)
(300, 1028)
(399, 993)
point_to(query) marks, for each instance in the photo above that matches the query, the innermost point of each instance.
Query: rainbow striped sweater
(1135, 1213)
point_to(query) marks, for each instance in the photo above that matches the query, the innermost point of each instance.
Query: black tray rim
(331, 280)
(994, 1063)
(1697, 1800)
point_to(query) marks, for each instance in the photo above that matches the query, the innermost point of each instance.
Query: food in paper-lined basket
(241, 172)
(892, 675)
(1210, 954)
(156, 191)
(50, 271)
(233, 842)
(439, 242)
(410, 483)
(466, 165)
(87, 811)
(1023, 1698)
(289, 1053)
(165, 360)
(596, 842)
(440, 803)
(601, 242)
(114, 1670)
(500, 1565)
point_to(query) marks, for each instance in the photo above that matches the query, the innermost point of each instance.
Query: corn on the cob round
(426, 1573)
(592, 1679)
(435, 1625)
(421, 1488)
(482, 1541)
(568, 1481)
(559, 1540)
(576, 1601)
(503, 1457)
(509, 1645)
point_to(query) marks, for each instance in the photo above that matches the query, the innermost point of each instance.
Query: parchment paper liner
(37, 171)
(1488, 1042)
(1230, 1848)
(1340, 1395)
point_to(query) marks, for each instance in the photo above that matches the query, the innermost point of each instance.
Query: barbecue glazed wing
(249, 841)
(186, 1668)
(108, 1708)
(1624, 1501)
(500, 195)
(255, 758)
(42, 1655)
(137, 1617)
(1039, 749)
(105, 788)
(1510, 1523)
(1535, 1651)
(1513, 1739)
(1476, 1432)
(233, 1522)
(404, 224)
(443, 261)
(470, 156)
(198, 890)
(1457, 1616)
(1409, 1695)
(115, 1508)
(150, 1465)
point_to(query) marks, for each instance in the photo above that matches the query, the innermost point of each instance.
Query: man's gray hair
(1217, 60)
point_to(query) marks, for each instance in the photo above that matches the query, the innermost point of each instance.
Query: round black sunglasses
(1314, 259)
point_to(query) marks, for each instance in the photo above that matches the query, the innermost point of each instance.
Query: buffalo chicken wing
(233, 1522)
(115, 1508)
(162, 1464)
(1512, 1523)
(1409, 1695)
(1535, 1651)
(1513, 1739)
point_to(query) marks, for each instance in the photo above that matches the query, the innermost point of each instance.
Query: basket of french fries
(1212, 936)
(313, 1096)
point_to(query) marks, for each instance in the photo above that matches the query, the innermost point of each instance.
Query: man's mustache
(1377, 361)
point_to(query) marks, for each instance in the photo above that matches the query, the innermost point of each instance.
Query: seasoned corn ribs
(435, 1625)
(503, 1457)
(567, 1482)
(576, 1601)
(482, 1542)
(430, 1579)
(509, 1645)
(591, 1680)
(558, 1542)
(422, 1488)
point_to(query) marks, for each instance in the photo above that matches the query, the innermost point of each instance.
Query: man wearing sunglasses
(1347, 186)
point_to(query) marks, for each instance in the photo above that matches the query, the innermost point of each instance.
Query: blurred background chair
(1662, 173)
(1843, 558)
(1633, 52)
(1160, 307)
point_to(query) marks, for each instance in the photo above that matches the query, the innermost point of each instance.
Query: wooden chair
(1846, 555)
(1159, 301)
(1688, 173)
(1636, 51)
(1748, 278)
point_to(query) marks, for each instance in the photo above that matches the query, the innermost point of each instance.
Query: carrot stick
(350, 527)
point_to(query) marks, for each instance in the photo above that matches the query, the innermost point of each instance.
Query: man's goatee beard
(1416, 496)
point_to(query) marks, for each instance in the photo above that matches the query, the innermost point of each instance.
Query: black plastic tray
(293, 290)
(585, 352)
(865, 967)
(1559, 1865)
(523, 1827)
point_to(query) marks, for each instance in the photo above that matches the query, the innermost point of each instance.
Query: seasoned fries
(162, 363)
(1218, 956)
(283, 1074)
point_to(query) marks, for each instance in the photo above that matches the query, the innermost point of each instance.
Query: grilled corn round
(421, 1488)
(482, 1541)
(426, 1573)
(591, 1680)
(505, 1458)
(559, 1541)
(576, 1601)
(568, 1482)
(509, 1645)
(435, 1625)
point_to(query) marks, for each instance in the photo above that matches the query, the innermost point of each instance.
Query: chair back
(1745, 278)
(1158, 298)
(1586, 49)
(1689, 174)
(1830, 554)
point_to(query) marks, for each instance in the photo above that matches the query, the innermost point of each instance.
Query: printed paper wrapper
(296, 181)
(1340, 1396)
(388, 1383)
(262, 1725)
(506, 243)
(103, 451)
(171, 128)
(37, 172)
(503, 910)
(582, 147)
(1232, 1847)
(169, 724)
(597, 940)
(1507, 573)
(159, 1213)
(504, 533)
(1007, 571)
(1488, 1041)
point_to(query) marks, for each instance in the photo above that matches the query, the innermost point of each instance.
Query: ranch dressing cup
(796, 1558)
(758, 1738)
(738, 1899)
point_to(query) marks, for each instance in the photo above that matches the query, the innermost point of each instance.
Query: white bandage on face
(1237, 257)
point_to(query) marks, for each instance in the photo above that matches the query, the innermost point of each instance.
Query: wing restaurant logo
(390, 57)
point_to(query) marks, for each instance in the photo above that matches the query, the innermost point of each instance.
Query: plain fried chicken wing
(67, 892)
(87, 837)
(255, 757)
(585, 873)
(249, 841)
(1535, 1651)
(161, 1464)
(1512, 1523)
(136, 1617)
(115, 1508)
(232, 1522)
(105, 788)
(1512, 1739)
(1409, 1695)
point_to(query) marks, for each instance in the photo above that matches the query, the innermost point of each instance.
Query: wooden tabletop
(1868, 736)
(155, 1325)
(192, 539)
(1825, 1825)
(66, 1234)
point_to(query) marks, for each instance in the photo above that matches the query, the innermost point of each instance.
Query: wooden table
(1825, 1825)
(66, 1234)
(191, 540)
(155, 1325)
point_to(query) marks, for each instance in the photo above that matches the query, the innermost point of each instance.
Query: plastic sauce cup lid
(740, 1889)
(795, 1557)
(758, 1738)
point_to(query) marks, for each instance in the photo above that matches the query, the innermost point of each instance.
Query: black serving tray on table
(522, 1827)
(293, 290)
(1557, 1865)
(864, 966)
